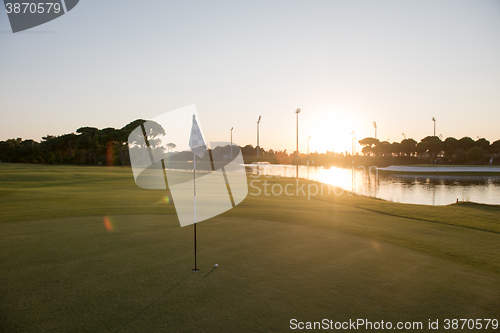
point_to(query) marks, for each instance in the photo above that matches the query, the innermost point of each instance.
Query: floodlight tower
(297, 113)
(352, 142)
(297, 151)
(258, 137)
(231, 143)
(375, 126)
(434, 120)
(404, 135)
(309, 138)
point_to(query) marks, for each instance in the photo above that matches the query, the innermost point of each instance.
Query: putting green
(84, 249)
(73, 274)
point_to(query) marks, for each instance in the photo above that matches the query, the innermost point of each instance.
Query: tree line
(109, 146)
(88, 146)
(432, 148)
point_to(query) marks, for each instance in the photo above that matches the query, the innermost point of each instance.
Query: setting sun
(331, 130)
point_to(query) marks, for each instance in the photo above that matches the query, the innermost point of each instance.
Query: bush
(475, 155)
(459, 156)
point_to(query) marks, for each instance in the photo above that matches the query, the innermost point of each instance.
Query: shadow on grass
(156, 300)
(213, 269)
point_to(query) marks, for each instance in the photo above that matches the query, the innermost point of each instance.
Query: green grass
(281, 257)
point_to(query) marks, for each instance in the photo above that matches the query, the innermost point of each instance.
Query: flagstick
(194, 179)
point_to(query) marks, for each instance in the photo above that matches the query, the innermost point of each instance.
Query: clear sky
(344, 63)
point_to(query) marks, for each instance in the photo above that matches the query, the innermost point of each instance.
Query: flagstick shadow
(147, 307)
(213, 269)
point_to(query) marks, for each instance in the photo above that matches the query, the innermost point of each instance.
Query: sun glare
(332, 131)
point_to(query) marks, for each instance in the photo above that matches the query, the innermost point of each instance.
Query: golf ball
(216, 265)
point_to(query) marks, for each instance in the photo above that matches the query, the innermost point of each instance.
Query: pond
(404, 188)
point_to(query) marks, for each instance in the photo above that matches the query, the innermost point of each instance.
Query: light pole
(297, 151)
(404, 135)
(352, 156)
(375, 126)
(258, 144)
(434, 120)
(297, 113)
(352, 142)
(231, 143)
(309, 138)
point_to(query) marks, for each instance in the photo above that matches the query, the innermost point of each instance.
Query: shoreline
(440, 169)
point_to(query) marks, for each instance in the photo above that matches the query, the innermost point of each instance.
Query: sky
(345, 64)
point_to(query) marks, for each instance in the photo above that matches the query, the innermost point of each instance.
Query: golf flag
(196, 142)
(197, 145)
(220, 187)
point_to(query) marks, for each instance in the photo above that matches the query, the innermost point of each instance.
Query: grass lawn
(83, 249)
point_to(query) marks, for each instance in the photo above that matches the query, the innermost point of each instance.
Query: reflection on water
(414, 189)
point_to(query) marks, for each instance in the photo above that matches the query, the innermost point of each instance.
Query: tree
(50, 145)
(171, 146)
(450, 145)
(70, 141)
(282, 157)
(475, 155)
(368, 145)
(87, 141)
(483, 143)
(396, 148)
(122, 138)
(459, 155)
(465, 143)
(383, 148)
(495, 146)
(108, 138)
(432, 145)
(143, 138)
(435, 145)
(408, 147)
(248, 150)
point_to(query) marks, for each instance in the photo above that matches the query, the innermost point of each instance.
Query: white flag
(196, 142)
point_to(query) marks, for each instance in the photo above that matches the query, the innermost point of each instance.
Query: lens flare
(108, 225)
(109, 155)
(167, 200)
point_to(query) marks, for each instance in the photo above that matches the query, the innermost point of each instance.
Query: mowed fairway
(82, 249)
